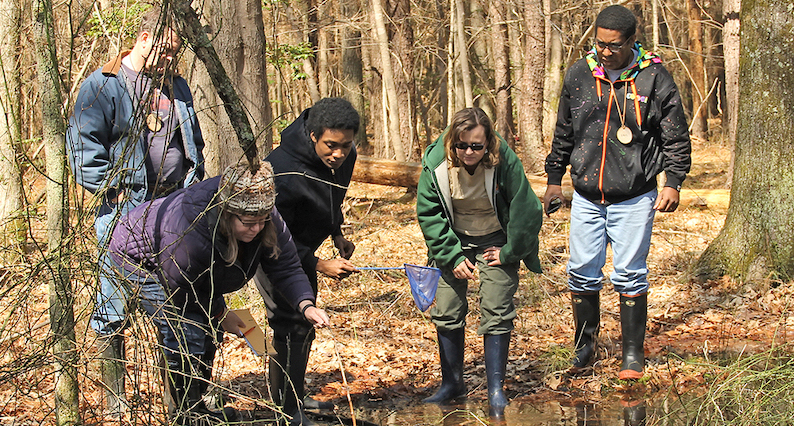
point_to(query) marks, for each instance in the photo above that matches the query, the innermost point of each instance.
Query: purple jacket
(177, 239)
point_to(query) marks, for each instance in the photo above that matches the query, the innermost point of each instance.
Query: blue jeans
(626, 226)
(185, 329)
(111, 298)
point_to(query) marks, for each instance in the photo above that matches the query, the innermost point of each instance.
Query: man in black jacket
(620, 124)
(313, 167)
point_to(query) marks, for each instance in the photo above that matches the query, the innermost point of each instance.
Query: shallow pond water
(518, 413)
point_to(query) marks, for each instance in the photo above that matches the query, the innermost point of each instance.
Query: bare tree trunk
(308, 68)
(239, 38)
(554, 72)
(503, 116)
(655, 17)
(65, 356)
(516, 46)
(731, 49)
(393, 118)
(699, 85)
(190, 27)
(323, 68)
(403, 64)
(13, 227)
(531, 116)
(452, 94)
(352, 68)
(462, 53)
(755, 243)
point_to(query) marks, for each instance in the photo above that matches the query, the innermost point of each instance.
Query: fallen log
(387, 172)
(406, 174)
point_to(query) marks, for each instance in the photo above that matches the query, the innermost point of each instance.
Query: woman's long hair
(268, 237)
(464, 121)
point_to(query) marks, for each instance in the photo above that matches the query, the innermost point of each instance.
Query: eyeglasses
(251, 224)
(613, 47)
(464, 146)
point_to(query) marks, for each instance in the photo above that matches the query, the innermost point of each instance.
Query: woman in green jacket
(477, 211)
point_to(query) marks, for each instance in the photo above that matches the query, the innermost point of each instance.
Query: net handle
(380, 268)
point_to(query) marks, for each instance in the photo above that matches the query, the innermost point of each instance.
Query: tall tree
(403, 64)
(531, 111)
(239, 38)
(698, 70)
(352, 66)
(731, 51)
(13, 227)
(391, 100)
(497, 13)
(190, 27)
(756, 241)
(61, 294)
(462, 51)
(554, 70)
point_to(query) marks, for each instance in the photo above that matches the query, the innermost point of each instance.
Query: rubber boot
(633, 315)
(310, 403)
(586, 317)
(113, 374)
(186, 389)
(634, 413)
(450, 348)
(287, 370)
(496, 348)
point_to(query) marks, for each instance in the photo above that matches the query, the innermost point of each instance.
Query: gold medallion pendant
(154, 123)
(624, 135)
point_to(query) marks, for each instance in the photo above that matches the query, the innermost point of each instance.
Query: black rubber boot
(634, 413)
(186, 387)
(496, 348)
(310, 403)
(287, 371)
(586, 317)
(113, 374)
(450, 348)
(633, 315)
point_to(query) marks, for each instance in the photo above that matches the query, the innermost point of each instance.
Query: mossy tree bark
(757, 240)
(64, 347)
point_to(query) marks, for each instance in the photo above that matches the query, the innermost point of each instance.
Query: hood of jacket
(644, 59)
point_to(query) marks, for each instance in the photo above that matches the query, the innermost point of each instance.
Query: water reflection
(518, 413)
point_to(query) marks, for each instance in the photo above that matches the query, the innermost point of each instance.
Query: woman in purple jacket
(182, 253)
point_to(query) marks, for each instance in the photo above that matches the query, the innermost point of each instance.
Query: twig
(344, 379)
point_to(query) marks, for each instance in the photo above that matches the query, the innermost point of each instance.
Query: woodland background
(406, 66)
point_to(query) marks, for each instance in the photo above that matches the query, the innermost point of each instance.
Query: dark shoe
(633, 315)
(186, 388)
(287, 371)
(450, 348)
(496, 348)
(297, 418)
(586, 317)
(310, 403)
(113, 374)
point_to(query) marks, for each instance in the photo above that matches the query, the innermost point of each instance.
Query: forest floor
(387, 347)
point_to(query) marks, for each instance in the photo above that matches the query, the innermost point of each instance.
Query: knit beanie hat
(247, 194)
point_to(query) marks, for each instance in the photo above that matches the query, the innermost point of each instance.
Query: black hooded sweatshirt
(310, 196)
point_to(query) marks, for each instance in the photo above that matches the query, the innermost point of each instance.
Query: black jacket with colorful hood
(603, 169)
(310, 193)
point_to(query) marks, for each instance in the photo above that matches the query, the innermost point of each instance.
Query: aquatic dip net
(423, 281)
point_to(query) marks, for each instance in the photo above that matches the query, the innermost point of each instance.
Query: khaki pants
(498, 284)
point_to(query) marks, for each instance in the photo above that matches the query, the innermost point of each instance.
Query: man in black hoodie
(313, 167)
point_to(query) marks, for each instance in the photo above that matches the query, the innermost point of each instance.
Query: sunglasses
(464, 146)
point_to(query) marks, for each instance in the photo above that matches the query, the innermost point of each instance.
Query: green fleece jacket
(517, 207)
